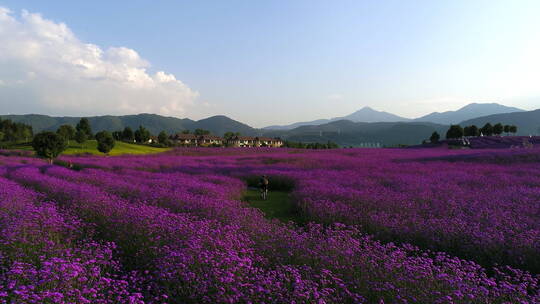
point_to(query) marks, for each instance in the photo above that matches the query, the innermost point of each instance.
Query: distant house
(236, 141)
(249, 141)
(241, 141)
(268, 142)
(152, 140)
(184, 139)
(196, 140)
(209, 140)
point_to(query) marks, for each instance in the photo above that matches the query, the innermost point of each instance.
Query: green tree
(48, 145)
(1, 136)
(513, 129)
(229, 135)
(127, 134)
(84, 126)
(506, 129)
(487, 129)
(142, 135)
(27, 133)
(80, 137)
(163, 137)
(467, 131)
(201, 132)
(434, 138)
(470, 131)
(105, 142)
(185, 131)
(117, 135)
(474, 130)
(455, 131)
(498, 129)
(67, 132)
(15, 131)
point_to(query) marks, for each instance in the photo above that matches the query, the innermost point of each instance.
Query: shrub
(105, 142)
(49, 145)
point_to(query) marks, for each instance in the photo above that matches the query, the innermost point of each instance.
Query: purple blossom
(386, 226)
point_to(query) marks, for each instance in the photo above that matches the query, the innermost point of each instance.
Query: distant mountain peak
(367, 109)
(467, 112)
(368, 114)
(365, 114)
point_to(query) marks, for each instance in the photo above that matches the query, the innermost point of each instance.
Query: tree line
(143, 135)
(15, 131)
(456, 131)
(140, 135)
(49, 144)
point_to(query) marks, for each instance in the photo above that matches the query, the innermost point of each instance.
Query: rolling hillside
(528, 123)
(221, 124)
(469, 111)
(366, 114)
(348, 133)
(155, 123)
(342, 132)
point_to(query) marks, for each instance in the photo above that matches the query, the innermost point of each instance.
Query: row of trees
(49, 144)
(15, 131)
(141, 135)
(456, 131)
(198, 132)
(81, 132)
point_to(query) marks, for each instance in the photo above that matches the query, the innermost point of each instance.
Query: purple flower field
(383, 226)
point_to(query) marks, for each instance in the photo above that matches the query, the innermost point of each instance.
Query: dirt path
(278, 205)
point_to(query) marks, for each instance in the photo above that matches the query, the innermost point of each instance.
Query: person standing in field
(263, 183)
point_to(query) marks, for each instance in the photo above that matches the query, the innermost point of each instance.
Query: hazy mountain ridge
(343, 132)
(467, 112)
(367, 114)
(348, 133)
(153, 122)
(528, 122)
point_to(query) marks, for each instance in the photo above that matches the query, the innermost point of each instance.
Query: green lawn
(90, 146)
(278, 205)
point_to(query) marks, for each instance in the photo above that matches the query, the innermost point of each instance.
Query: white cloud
(44, 67)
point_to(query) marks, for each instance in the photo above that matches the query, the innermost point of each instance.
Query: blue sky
(273, 62)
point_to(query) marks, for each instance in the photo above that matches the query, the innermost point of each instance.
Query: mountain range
(378, 128)
(469, 111)
(153, 122)
(367, 114)
(348, 133)
(528, 122)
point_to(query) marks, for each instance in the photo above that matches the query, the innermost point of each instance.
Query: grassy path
(278, 205)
